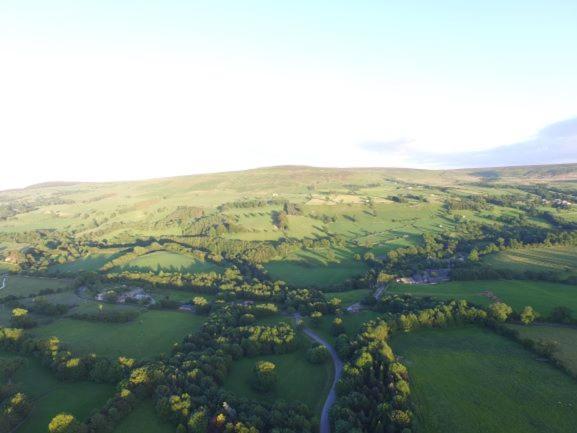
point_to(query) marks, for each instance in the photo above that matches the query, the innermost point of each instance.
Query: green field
(565, 336)
(51, 396)
(469, 380)
(352, 322)
(144, 419)
(315, 268)
(150, 334)
(89, 263)
(561, 260)
(542, 296)
(350, 296)
(169, 262)
(20, 285)
(298, 379)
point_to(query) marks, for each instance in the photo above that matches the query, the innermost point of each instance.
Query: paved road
(338, 365)
(325, 426)
(379, 292)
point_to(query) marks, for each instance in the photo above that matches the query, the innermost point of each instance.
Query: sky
(115, 90)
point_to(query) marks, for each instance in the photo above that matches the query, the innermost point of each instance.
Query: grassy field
(542, 296)
(51, 396)
(298, 379)
(469, 380)
(90, 263)
(561, 260)
(19, 285)
(316, 268)
(352, 323)
(350, 296)
(152, 333)
(169, 262)
(144, 419)
(565, 336)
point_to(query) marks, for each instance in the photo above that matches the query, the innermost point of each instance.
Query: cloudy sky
(112, 89)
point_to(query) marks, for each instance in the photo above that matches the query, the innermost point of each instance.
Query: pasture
(542, 296)
(144, 419)
(167, 261)
(565, 336)
(298, 379)
(469, 380)
(349, 297)
(149, 335)
(560, 260)
(51, 396)
(20, 285)
(320, 267)
(89, 263)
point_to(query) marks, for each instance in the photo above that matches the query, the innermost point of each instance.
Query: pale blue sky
(230, 85)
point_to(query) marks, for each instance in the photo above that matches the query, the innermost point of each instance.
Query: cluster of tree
(280, 219)
(373, 393)
(21, 319)
(190, 393)
(247, 204)
(232, 285)
(14, 409)
(106, 315)
(46, 308)
(318, 354)
(470, 202)
(264, 376)
(62, 362)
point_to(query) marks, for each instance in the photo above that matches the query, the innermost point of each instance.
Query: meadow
(144, 419)
(51, 396)
(564, 336)
(20, 285)
(542, 296)
(149, 335)
(469, 380)
(168, 262)
(319, 268)
(298, 379)
(560, 260)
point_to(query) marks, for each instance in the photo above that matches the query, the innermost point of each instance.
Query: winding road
(325, 426)
(4, 278)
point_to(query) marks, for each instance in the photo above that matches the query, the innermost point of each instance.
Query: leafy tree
(500, 311)
(264, 376)
(64, 423)
(528, 315)
(316, 319)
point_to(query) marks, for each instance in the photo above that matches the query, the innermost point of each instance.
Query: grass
(469, 380)
(352, 323)
(561, 260)
(565, 336)
(316, 267)
(152, 333)
(542, 296)
(20, 285)
(298, 379)
(350, 296)
(89, 263)
(144, 419)
(169, 262)
(51, 396)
